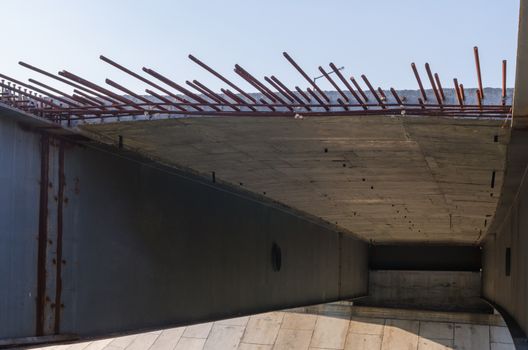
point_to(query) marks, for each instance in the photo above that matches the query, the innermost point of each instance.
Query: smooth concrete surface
(19, 226)
(146, 246)
(507, 232)
(428, 290)
(335, 326)
(386, 179)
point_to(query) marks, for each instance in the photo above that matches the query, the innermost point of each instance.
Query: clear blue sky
(378, 38)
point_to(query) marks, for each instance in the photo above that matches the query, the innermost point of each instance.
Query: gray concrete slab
(386, 179)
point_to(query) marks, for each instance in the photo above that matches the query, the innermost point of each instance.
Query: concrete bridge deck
(384, 179)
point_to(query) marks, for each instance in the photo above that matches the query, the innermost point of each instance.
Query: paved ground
(324, 327)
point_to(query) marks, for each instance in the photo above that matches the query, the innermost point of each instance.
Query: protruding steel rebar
(329, 78)
(65, 81)
(340, 101)
(40, 91)
(289, 92)
(57, 91)
(211, 93)
(131, 93)
(382, 94)
(303, 94)
(359, 89)
(439, 85)
(202, 92)
(165, 99)
(421, 102)
(433, 85)
(372, 91)
(479, 99)
(479, 77)
(419, 80)
(458, 93)
(314, 95)
(396, 97)
(256, 84)
(177, 87)
(345, 82)
(237, 99)
(503, 82)
(221, 77)
(299, 69)
(97, 88)
(462, 92)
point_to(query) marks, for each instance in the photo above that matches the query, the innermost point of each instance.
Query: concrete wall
(19, 228)
(509, 231)
(144, 246)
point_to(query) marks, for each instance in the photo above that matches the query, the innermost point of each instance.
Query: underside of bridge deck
(384, 179)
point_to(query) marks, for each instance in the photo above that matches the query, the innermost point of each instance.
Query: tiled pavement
(323, 327)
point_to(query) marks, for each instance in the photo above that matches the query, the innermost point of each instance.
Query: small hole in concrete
(496, 138)
(326, 150)
(344, 165)
(371, 187)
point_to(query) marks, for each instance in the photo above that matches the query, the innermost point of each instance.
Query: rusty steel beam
(479, 76)
(372, 91)
(305, 76)
(345, 82)
(433, 85)
(221, 77)
(419, 80)
(439, 85)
